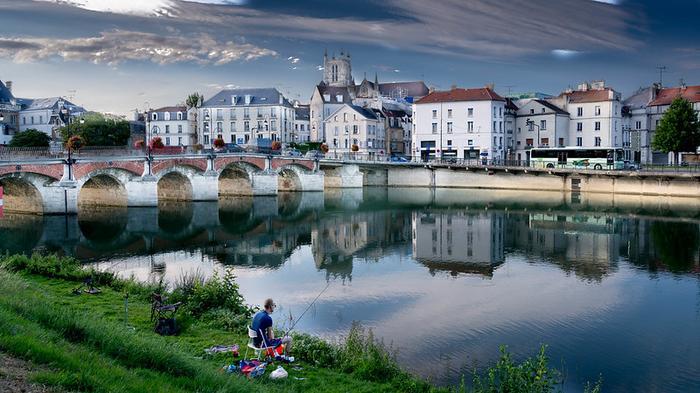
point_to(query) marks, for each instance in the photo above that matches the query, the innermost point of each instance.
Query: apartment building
(171, 124)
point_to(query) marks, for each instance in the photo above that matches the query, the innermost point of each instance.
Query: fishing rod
(307, 309)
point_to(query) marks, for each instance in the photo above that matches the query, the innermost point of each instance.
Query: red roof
(454, 95)
(666, 96)
(578, 96)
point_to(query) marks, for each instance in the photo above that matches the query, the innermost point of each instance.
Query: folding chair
(252, 335)
(164, 315)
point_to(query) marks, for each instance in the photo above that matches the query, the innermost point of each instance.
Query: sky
(119, 55)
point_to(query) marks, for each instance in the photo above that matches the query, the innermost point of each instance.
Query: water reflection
(459, 272)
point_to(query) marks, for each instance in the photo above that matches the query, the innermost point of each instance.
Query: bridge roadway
(60, 185)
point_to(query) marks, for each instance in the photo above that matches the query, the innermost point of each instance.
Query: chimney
(491, 86)
(453, 87)
(8, 84)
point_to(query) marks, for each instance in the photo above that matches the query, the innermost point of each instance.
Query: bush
(355, 147)
(531, 376)
(276, 145)
(53, 266)
(96, 130)
(75, 142)
(157, 143)
(30, 138)
(219, 143)
(216, 300)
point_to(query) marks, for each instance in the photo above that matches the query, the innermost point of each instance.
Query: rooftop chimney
(8, 84)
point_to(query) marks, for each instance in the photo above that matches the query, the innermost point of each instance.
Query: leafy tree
(30, 138)
(194, 100)
(96, 130)
(679, 128)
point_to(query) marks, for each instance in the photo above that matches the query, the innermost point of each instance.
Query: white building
(240, 115)
(636, 136)
(460, 123)
(171, 124)
(302, 124)
(354, 125)
(47, 115)
(595, 115)
(9, 113)
(549, 122)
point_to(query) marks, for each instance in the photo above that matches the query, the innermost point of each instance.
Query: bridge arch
(104, 187)
(23, 192)
(289, 177)
(236, 178)
(175, 184)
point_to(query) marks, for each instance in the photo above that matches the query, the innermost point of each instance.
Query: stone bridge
(62, 186)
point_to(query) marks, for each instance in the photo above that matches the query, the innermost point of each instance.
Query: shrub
(157, 143)
(219, 143)
(276, 145)
(531, 376)
(75, 142)
(355, 147)
(53, 266)
(324, 148)
(30, 138)
(139, 144)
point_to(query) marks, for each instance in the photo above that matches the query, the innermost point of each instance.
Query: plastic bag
(279, 373)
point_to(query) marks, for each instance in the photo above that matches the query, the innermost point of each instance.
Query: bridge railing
(29, 153)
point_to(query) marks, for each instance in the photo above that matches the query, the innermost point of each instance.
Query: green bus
(577, 158)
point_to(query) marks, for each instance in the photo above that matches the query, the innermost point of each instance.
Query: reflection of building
(459, 241)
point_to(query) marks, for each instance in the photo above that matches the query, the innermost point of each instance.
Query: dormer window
(339, 98)
(326, 97)
(154, 116)
(179, 115)
(167, 115)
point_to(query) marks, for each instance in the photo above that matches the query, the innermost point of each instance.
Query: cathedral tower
(337, 71)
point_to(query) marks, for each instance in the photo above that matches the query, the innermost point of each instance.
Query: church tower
(337, 71)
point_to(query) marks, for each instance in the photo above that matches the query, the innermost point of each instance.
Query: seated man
(262, 322)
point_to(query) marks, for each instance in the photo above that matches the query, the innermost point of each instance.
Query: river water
(610, 283)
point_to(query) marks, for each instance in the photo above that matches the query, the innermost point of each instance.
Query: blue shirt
(261, 321)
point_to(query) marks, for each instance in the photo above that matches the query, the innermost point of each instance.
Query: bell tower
(337, 71)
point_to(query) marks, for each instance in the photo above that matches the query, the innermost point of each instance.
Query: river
(610, 283)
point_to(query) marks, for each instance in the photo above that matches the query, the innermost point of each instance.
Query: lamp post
(531, 124)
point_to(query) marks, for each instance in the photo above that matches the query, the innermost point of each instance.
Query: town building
(9, 113)
(352, 125)
(241, 115)
(595, 112)
(511, 114)
(338, 88)
(47, 115)
(539, 123)
(302, 124)
(660, 104)
(171, 124)
(460, 123)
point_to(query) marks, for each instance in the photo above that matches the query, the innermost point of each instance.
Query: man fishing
(262, 323)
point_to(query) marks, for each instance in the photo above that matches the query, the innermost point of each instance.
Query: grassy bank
(85, 344)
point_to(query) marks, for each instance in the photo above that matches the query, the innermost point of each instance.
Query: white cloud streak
(116, 46)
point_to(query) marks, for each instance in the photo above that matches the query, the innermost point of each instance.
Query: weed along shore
(90, 331)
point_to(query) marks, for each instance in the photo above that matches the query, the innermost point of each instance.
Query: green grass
(86, 345)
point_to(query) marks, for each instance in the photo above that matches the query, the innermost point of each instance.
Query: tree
(679, 129)
(96, 130)
(194, 100)
(30, 138)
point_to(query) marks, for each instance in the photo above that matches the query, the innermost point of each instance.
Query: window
(32, 119)
(179, 128)
(449, 113)
(179, 115)
(355, 129)
(579, 111)
(470, 112)
(561, 142)
(532, 111)
(597, 110)
(579, 126)
(470, 142)
(179, 141)
(543, 125)
(246, 113)
(544, 110)
(219, 114)
(449, 142)
(219, 126)
(167, 129)
(529, 142)
(434, 114)
(167, 141)
(233, 126)
(597, 141)
(494, 126)
(638, 125)
(206, 139)
(470, 126)
(544, 141)
(449, 127)
(246, 126)
(500, 112)
(579, 141)
(273, 125)
(335, 130)
(232, 114)
(41, 119)
(434, 128)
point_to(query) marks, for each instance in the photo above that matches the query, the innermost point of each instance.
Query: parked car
(292, 153)
(315, 154)
(398, 159)
(232, 148)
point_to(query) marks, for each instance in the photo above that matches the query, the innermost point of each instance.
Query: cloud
(565, 53)
(116, 46)
(138, 7)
